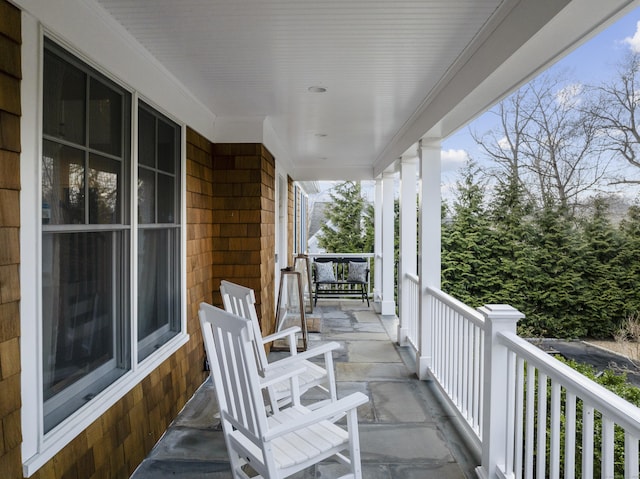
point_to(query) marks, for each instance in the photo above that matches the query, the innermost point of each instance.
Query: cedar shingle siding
(244, 223)
(10, 400)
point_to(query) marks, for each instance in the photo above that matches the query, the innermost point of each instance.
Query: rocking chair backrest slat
(241, 301)
(228, 343)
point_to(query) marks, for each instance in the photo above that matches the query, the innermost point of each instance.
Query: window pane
(63, 101)
(83, 297)
(166, 147)
(146, 138)
(105, 118)
(166, 195)
(104, 186)
(146, 196)
(158, 288)
(62, 185)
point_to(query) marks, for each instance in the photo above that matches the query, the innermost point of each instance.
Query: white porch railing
(457, 351)
(411, 310)
(531, 415)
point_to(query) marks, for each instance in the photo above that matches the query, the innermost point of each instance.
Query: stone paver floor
(405, 432)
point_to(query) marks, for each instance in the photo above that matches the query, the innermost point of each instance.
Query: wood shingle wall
(10, 400)
(244, 223)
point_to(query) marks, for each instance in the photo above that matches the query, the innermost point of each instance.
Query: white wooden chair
(288, 441)
(240, 300)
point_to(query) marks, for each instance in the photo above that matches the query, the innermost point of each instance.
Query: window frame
(38, 447)
(148, 343)
(64, 403)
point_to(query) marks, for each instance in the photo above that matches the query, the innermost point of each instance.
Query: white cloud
(452, 160)
(634, 41)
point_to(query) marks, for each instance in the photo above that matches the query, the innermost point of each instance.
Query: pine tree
(557, 286)
(603, 300)
(510, 214)
(467, 244)
(346, 230)
(628, 261)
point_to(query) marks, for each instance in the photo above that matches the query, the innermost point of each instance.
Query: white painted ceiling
(394, 70)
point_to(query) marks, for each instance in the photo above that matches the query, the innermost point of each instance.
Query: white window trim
(38, 448)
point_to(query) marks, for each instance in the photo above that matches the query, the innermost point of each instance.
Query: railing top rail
(610, 404)
(412, 277)
(458, 306)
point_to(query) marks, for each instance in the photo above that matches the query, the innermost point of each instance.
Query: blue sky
(591, 63)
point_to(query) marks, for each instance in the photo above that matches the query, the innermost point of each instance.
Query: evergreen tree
(467, 245)
(557, 290)
(603, 300)
(628, 261)
(510, 215)
(346, 229)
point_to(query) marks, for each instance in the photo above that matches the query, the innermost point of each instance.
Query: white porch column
(408, 241)
(388, 304)
(499, 318)
(377, 247)
(429, 246)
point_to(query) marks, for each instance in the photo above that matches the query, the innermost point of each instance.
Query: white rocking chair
(276, 446)
(240, 300)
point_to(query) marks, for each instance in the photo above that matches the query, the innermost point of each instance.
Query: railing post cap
(500, 311)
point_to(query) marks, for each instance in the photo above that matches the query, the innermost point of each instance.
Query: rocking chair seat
(301, 445)
(312, 376)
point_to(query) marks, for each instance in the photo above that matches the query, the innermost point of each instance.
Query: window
(88, 254)
(158, 230)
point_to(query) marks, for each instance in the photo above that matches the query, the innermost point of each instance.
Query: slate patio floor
(405, 431)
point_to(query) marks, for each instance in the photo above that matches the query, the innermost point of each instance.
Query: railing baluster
(529, 442)
(481, 387)
(467, 381)
(630, 456)
(457, 350)
(570, 436)
(477, 381)
(519, 418)
(449, 355)
(607, 447)
(587, 441)
(554, 444)
(541, 431)
(511, 410)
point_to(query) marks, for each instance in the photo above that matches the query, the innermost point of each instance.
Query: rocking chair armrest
(325, 349)
(291, 332)
(329, 411)
(278, 374)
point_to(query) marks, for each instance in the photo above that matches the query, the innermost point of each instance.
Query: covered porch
(264, 97)
(406, 431)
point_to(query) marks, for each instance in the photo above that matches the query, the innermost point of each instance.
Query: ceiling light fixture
(316, 89)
